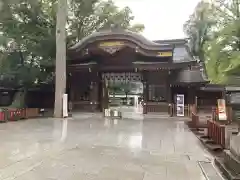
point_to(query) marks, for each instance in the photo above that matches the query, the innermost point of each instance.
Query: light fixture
(86, 52)
(136, 49)
(91, 85)
(144, 85)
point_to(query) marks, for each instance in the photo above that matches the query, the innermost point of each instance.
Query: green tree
(198, 28)
(214, 32)
(28, 33)
(224, 50)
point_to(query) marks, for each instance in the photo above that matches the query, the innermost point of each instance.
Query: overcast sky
(163, 19)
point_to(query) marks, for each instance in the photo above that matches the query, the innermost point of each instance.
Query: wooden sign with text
(111, 44)
(165, 54)
(111, 47)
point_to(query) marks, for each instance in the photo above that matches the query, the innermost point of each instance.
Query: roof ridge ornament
(115, 27)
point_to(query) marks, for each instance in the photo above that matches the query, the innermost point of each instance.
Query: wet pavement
(89, 147)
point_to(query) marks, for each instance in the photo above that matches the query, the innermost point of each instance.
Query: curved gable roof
(119, 34)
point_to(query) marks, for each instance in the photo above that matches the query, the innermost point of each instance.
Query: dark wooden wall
(33, 99)
(6, 97)
(40, 99)
(206, 98)
(157, 84)
(80, 86)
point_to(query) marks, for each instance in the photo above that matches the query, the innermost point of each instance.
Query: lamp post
(60, 72)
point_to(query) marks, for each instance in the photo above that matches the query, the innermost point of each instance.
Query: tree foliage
(27, 34)
(198, 28)
(219, 46)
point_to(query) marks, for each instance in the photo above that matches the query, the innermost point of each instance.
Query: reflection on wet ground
(91, 147)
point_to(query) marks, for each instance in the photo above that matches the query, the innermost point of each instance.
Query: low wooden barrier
(32, 112)
(216, 132)
(2, 116)
(16, 114)
(195, 121)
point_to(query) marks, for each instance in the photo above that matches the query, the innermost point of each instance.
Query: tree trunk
(60, 76)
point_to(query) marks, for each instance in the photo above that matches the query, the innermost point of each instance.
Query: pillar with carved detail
(94, 96)
(145, 97)
(169, 94)
(145, 92)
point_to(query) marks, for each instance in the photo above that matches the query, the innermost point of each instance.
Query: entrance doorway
(123, 91)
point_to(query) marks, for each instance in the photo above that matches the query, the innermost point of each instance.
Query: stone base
(235, 145)
(230, 161)
(112, 113)
(229, 165)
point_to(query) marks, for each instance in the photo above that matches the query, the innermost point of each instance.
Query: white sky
(163, 19)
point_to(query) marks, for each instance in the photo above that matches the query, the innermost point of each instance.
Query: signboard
(222, 116)
(165, 54)
(111, 44)
(180, 104)
(111, 47)
(234, 98)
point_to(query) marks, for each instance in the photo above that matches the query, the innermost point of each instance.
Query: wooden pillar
(195, 103)
(145, 97)
(93, 95)
(104, 96)
(191, 101)
(145, 92)
(169, 94)
(94, 91)
(71, 92)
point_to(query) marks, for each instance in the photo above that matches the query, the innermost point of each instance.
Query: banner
(222, 116)
(65, 105)
(180, 104)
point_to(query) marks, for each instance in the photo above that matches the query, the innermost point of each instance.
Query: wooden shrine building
(165, 68)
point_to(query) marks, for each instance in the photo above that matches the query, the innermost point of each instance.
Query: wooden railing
(195, 121)
(216, 132)
(157, 107)
(187, 111)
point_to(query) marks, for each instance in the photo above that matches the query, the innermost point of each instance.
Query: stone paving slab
(95, 148)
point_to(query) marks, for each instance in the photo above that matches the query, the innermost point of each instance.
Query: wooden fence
(13, 114)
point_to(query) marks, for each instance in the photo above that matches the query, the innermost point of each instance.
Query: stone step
(225, 170)
(235, 133)
(206, 140)
(209, 171)
(214, 147)
(231, 161)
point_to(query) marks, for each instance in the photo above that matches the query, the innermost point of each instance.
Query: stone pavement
(94, 148)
